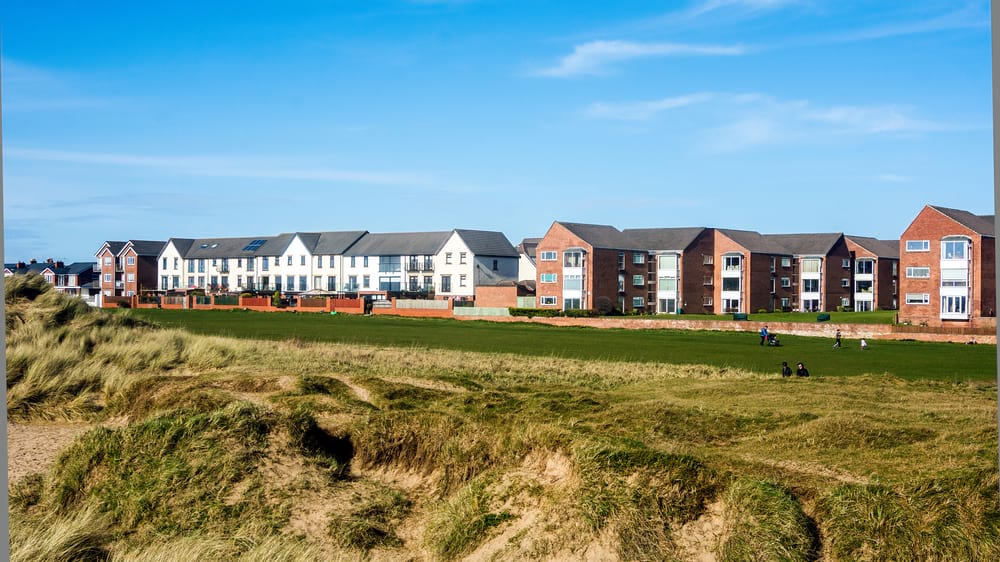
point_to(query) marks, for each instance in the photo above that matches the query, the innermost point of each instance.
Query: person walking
(763, 335)
(801, 370)
(786, 371)
(864, 344)
(836, 344)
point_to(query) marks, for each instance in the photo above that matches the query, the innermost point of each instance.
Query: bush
(531, 312)
(762, 311)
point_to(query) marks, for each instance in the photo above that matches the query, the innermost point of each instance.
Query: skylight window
(254, 245)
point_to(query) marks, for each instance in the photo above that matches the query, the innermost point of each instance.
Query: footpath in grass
(740, 350)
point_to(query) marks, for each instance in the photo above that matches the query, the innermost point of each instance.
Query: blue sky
(139, 120)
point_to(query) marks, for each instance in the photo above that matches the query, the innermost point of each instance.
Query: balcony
(415, 264)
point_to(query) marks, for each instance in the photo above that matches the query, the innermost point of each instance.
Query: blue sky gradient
(135, 120)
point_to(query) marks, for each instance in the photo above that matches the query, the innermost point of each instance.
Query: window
(130, 278)
(707, 301)
(277, 261)
(810, 265)
(953, 249)
(845, 263)
(331, 261)
(549, 255)
(264, 264)
(352, 261)
(549, 278)
(573, 259)
(225, 264)
(214, 281)
(461, 258)
(772, 264)
(164, 263)
(708, 260)
(638, 280)
(163, 283)
(668, 261)
(845, 301)
(201, 280)
(730, 283)
(496, 265)
(668, 283)
(215, 262)
(250, 262)
(277, 282)
(366, 281)
(954, 305)
(621, 261)
(414, 283)
(319, 262)
(637, 302)
(845, 282)
(786, 262)
(352, 282)
(731, 263)
(571, 304)
(289, 260)
(863, 287)
(177, 262)
(784, 302)
(389, 284)
(810, 285)
(954, 277)
(250, 282)
(130, 260)
(190, 266)
(573, 283)
(547, 301)
(446, 283)
(638, 258)
(864, 267)
(107, 260)
(428, 282)
(225, 281)
(331, 283)
(176, 281)
(447, 258)
(201, 265)
(786, 282)
(918, 246)
(621, 283)
(302, 260)
(918, 272)
(317, 281)
(390, 264)
(918, 298)
(461, 280)
(265, 282)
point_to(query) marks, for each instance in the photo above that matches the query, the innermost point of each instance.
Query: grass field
(736, 350)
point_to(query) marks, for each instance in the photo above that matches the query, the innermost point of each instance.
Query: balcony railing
(416, 264)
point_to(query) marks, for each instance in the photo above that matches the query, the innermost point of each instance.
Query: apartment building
(752, 272)
(128, 267)
(948, 260)
(681, 268)
(876, 273)
(590, 266)
(822, 272)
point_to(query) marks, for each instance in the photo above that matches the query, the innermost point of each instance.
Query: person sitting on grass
(801, 370)
(786, 371)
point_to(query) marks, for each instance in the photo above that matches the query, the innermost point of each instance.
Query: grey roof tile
(881, 248)
(336, 243)
(601, 236)
(981, 224)
(399, 244)
(661, 239)
(812, 244)
(487, 243)
(755, 242)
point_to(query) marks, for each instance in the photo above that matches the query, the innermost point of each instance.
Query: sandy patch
(33, 448)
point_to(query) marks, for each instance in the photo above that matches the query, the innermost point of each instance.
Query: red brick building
(876, 273)
(128, 267)
(822, 271)
(681, 269)
(948, 258)
(589, 266)
(753, 272)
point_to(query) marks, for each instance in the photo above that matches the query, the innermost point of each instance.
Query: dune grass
(255, 450)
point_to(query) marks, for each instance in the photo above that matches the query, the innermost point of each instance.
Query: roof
(145, 247)
(601, 236)
(755, 242)
(37, 267)
(399, 244)
(808, 244)
(881, 248)
(664, 238)
(183, 245)
(114, 246)
(336, 243)
(79, 267)
(980, 224)
(274, 245)
(487, 243)
(222, 247)
(528, 246)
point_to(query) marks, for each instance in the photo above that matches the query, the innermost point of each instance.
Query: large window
(389, 264)
(954, 277)
(573, 283)
(954, 305)
(915, 272)
(730, 283)
(446, 283)
(389, 284)
(638, 280)
(668, 261)
(810, 265)
(864, 267)
(953, 249)
(918, 298)
(549, 277)
(668, 283)
(638, 258)
(918, 245)
(810, 285)
(731, 263)
(571, 304)
(862, 286)
(573, 259)
(549, 255)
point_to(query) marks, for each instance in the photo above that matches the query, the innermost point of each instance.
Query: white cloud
(749, 5)
(892, 178)
(593, 57)
(969, 17)
(642, 110)
(219, 167)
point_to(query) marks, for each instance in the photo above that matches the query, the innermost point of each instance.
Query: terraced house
(948, 260)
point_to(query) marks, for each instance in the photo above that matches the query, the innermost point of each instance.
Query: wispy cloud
(639, 111)
(30, 87)
(743, 5)
(219, 167)
(892, 178)
(972, 16)
(593, 57)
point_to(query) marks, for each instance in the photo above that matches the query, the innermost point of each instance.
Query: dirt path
(33, 448)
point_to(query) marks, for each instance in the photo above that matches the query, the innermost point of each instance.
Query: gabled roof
(114, 246)
(881, 248)
(659, 239)
(182, 245)
(144, 247)
(222, 247)
(274, 245)
(528, 246)
(37, 267)
(980, 224)
(336, 243)
(79, 267)
(808, 244)
(601, 236)
(755, 242)
(399, 244)
(487, 243)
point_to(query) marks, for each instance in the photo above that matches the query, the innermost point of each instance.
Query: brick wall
(501, 297)
(693, 271)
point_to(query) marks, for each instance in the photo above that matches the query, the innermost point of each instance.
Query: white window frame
(638, 302)
(549, 278)
(548, 301)
(918, 298)
(845, 282)
(786, 262)
(786, 282)
(912, 270)
(638, 280)
(845, 263)
(638, 258)
(918, 245)
(549, 255)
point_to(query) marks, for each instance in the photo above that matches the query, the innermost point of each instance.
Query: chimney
(49, 260)
(21, 265)
(60, 264)
(33, 261)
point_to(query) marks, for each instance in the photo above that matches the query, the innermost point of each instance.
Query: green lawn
(906, 359)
